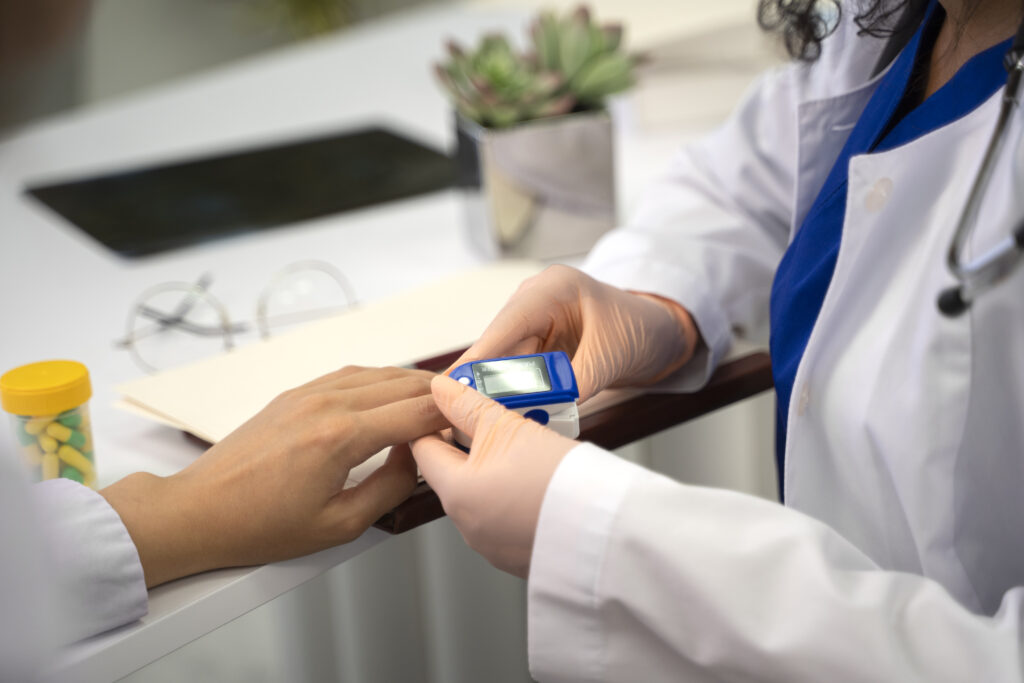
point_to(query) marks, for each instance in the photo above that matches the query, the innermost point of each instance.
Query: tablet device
(148, 210)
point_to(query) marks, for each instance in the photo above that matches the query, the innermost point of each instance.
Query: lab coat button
(878, 196)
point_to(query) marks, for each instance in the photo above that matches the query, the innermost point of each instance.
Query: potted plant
(534, 139)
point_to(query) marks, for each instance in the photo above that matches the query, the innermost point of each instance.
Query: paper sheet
(212, 397)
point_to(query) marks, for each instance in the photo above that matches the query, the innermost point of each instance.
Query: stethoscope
(986, 271)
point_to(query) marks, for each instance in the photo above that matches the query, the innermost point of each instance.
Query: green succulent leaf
(494, 42)
(573, 62)
(502, 116)
(469, 111)
(605, 75)
(597, 41)
(582, 15)
(556, 107)
(455, 50)
(545, 41)
(612, 37)
(573, 46)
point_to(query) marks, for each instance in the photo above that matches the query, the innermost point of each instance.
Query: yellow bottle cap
(45, 388)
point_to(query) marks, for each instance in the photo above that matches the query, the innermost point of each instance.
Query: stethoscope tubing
(990, 268)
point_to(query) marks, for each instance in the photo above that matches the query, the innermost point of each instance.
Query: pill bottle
(48, 405)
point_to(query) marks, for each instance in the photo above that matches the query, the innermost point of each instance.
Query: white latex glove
(615, 337)
(494, 493)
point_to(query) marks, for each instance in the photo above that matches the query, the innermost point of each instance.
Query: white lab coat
(69, 570)
(900, 554)
(92, 558)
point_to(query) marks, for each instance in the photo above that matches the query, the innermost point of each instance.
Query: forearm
(164, 522)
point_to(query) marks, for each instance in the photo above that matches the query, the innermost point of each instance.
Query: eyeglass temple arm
(193, 328)
(186, 304)
(176, 318)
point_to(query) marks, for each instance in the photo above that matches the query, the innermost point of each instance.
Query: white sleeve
(710, 234)
(93, 559)
(637, 577)
(28, 614)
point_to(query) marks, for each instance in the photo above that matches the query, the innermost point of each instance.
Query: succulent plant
(574, 64)
(497, 87)
(586, 55)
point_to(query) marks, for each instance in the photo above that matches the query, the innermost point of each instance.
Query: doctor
(826, 204)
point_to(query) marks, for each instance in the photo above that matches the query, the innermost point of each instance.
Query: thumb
(439, 462)
(467, 409)
(356, 508)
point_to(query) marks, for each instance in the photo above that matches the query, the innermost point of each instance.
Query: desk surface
(63, 296)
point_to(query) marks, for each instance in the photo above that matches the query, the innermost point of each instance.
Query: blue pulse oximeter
(539, 386)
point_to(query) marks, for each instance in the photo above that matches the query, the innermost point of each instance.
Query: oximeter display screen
(511, 377)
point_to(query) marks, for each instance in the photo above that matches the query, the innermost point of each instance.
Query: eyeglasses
(178, 322)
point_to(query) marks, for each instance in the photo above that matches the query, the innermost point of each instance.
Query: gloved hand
(614, 337)
(494, 493)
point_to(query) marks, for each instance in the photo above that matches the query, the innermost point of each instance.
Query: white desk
(63, 296)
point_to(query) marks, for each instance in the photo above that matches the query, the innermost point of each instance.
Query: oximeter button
(464, 380)
(539, 416)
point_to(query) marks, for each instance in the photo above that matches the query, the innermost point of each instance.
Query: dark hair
(804, 24)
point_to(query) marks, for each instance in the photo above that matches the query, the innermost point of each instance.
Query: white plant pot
(543, 189)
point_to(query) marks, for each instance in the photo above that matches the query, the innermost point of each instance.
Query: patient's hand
(273, 489)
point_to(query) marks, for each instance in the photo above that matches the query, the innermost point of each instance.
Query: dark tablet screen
(148, 210)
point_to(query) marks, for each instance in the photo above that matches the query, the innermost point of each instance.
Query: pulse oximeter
(539, 386)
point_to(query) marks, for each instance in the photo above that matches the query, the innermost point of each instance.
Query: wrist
(159, 515)
(684, 325)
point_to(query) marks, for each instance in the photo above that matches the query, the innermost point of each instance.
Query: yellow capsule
(37, 424)
(51, 466)
(67, 435)
(76, 460)
(48, 443)
(58, 431)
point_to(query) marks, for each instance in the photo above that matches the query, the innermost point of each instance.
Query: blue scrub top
(892, 118)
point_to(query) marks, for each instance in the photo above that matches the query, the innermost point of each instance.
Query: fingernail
(446, 384)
